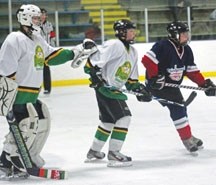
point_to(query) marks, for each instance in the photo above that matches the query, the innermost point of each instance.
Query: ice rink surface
(159, 157)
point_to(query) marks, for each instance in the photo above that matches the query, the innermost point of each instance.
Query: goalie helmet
(174, 29)
(25, 14)
(120, 27)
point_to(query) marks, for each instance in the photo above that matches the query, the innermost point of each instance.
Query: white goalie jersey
(117, 63)
(25, 57)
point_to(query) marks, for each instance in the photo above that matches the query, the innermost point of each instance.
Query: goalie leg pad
(8, 91)
(28, 127)
(41, 136)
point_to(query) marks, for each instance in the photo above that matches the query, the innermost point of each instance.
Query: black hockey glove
(157, 82)
(146, 95)
(211, 88)
(96, 77)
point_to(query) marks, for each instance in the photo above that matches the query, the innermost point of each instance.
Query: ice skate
(198, 142)
(117, 159)
(191, 146)
(9, 172)
(12, 174)
(94, 155)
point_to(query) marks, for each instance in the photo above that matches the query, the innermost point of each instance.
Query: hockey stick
(26, 158)
(190, 98)
(186, 103)
(185, 87)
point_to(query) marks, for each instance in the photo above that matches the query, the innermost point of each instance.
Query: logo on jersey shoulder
(123, 72)
(39, 58)
(176, 73)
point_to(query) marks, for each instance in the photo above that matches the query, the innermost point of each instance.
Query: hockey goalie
(22, 58)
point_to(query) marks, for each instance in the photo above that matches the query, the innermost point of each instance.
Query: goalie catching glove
(83, 51)
(211, 88)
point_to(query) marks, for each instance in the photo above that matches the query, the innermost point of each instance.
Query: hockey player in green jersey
(114, 65)
(22, 58)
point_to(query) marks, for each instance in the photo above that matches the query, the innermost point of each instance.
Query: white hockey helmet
(25, 14)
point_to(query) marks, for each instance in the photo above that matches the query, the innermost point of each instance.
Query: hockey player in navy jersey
(169, 61)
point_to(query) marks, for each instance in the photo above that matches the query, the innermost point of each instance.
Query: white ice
(159, 157)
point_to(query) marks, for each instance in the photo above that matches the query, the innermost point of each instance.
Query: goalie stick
(186, 103)
(26, 158)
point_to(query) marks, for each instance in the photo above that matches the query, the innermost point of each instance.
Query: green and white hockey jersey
(23, 59)
(118, 67)
(117, 63)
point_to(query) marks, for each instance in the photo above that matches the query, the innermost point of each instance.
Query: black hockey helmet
(120, 27)
(175, 28)
(43, 10)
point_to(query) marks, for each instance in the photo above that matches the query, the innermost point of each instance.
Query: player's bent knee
(106, 126)
(123, 122)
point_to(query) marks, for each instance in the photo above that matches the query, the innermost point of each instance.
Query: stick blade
(190, 98)
(53, 174)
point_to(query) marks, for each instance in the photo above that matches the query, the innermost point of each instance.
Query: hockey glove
(145, 94)
(157, 82)
(211, 88)
(83, 51)
(96, 77)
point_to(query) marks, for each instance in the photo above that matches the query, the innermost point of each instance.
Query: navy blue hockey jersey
(175, 63)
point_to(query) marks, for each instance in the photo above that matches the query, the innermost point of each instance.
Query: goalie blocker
(8, 91)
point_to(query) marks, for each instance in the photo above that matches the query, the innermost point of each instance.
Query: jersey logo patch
(39, 58)
(123, 72)
(175, 73)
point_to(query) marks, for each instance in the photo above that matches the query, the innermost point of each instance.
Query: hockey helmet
(120, 27)
(25, 14)
(43, 10)
(175, 28)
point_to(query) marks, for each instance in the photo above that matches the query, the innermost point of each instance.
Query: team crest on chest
(123, 72)
(176, 73)
(39, 58)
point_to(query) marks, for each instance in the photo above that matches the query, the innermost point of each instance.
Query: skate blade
(119, 164)
(93, 160)
(15, 177)
(194, 154)
(200, 147)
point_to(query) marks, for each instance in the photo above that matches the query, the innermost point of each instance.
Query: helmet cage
(121, 26)
(25, 14)
(175, 28)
